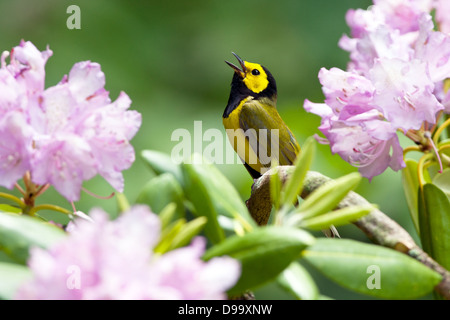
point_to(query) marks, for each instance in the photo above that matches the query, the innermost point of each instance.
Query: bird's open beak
(236, 68)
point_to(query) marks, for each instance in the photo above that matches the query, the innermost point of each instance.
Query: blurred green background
(168, 56)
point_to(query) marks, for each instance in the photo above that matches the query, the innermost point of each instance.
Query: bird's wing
(268, 135)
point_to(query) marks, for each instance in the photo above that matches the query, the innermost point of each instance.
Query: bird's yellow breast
(238, 139)
(232, 121)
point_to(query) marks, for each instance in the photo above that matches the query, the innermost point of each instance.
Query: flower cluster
(394, 82)
(113, 260)
(64, 134)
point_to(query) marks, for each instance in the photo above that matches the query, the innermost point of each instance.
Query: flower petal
(15, 148)
(404, 93)
(64, 163)
(85, 79)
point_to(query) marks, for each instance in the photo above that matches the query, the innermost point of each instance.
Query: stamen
(42, 189)
(18, 187)
(427, 135)
(27, 180)
(97, 196)
(73, 206)
(406, 97)
(367, 155)
(340, 100)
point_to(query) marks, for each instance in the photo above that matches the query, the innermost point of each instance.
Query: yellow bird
(255, 129)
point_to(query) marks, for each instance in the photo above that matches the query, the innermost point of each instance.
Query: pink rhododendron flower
(69, 132)
(113, 260)
(395, 81)
(353, 126)
(404, 93)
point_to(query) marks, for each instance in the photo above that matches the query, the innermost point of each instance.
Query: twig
(377, 226)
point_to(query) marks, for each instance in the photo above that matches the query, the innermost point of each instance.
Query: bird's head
(254, 78)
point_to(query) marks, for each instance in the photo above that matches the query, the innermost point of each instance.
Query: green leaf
(297, 281)
(213, 195)
(424, 223)
(161, 163)
(11, 277)
(166, 215)
(442, 181)
(187, 232)
(263, 253)
(435, 209)
(122, 202)
(161, 191)
(294, 184)
(327, 197)
(10, 208)
(275, 188)
(19, 233)
(197, 192)
(410, 186)
(337, 217)
(371, 269)
(167, 236)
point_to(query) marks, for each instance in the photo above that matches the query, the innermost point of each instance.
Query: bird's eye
(255, 72)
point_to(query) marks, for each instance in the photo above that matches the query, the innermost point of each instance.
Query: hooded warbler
(255, 129)
(253, 125)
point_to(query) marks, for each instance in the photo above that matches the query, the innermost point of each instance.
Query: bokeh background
(168, 56)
